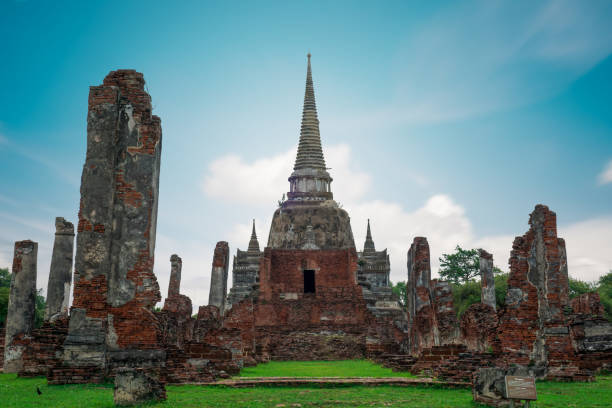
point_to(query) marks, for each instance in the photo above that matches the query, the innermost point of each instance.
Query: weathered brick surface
(21, 305)
(44, 349)
(487, 280)
(421, 314)
(587, 304)
(282, 322)
(60, 274)
(445, 316)
(479, 327)
(218, 276)
(114, 280)
(533, 326)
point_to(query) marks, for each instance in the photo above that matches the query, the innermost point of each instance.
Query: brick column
(487, 281)
(60, 274)
(423, 329)
(533, 325)
(218, 276)
(22, 304)
(174, 286)
(115, 288)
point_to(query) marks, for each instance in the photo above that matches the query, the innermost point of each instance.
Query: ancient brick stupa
(310, 218)
(309, 303)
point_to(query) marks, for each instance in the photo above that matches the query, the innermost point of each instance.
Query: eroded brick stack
(533, 328)
(479, 327)
(175, 317)
(445, 316)
(421, 314)
(115, 287)
(21, 306)
(591, 333)
(218, 276)
(282, 322)
(45, 348)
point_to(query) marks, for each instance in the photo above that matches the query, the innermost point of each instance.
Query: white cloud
(606, 175)
(442, 220)
(263, 181)
(588, 247)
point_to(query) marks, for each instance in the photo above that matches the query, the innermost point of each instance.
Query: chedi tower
(310, 217)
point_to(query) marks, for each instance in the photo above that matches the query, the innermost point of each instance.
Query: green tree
(399, 289)
(501, 287)
(5, 285)
(605, 294)
(464, 295)
(578, 287)
(461, 266)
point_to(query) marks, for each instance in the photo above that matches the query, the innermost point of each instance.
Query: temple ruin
(308, 294)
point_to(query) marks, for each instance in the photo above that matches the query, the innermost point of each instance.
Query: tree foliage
(461, 266)
(578, 287)
(604, 289)
(399, 289)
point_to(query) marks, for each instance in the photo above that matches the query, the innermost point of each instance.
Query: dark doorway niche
(309, 281)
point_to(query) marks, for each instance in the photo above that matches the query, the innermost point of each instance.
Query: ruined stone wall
(115, 288)
(421, 316)
(533, 326)
(21, 306)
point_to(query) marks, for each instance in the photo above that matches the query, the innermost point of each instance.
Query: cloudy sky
(443, 119)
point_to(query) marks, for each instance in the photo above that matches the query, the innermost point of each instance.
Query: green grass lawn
(21, 393)
(346, 368)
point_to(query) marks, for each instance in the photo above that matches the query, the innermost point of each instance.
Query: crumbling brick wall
(479, 327)
(282, 322)
(45, 348)
(533, 327)
(445, 316)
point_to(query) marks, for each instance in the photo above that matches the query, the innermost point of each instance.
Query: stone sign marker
(520, 388)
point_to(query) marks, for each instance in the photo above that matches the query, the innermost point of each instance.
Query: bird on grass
(38, 391)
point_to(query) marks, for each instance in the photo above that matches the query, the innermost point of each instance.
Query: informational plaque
(520, 388)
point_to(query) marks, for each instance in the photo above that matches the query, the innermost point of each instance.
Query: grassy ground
(21, 392)
(347, 368)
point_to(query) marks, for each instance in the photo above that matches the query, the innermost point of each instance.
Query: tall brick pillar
(22, 304)
(533, 325)
(487, 281)
(115, 289)
(60, 274)
(174, 287)
(423, 329)
(218, 276)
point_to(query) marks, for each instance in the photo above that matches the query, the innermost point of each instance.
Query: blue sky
(444, 119)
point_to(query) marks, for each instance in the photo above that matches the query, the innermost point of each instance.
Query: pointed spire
(310, 153)
(253, 243)
(368, 246)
